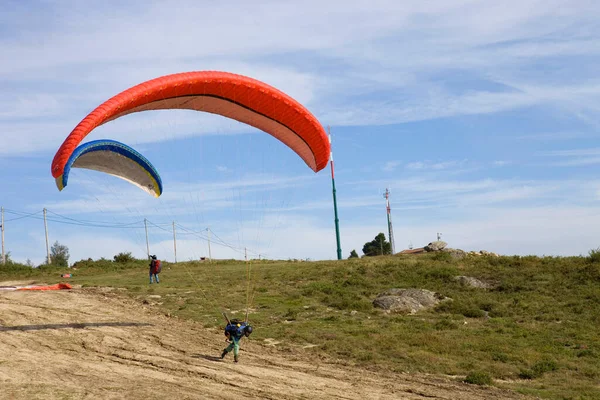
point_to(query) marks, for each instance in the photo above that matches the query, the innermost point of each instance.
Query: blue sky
(481, 118)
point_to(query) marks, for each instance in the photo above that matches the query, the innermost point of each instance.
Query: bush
(594, 255)
(590, 272)
(444, 274)
(478, 378)
(459, 308)
(442, 256)
(291, 314)
(124, 258)
(445, 324)
(539, 369)
(500, 357)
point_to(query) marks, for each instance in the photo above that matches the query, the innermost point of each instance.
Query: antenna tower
(389, 219)
(335, 210)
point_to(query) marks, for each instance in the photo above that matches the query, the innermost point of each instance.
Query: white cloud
(574, 157)
(415, 165)
(595, 151)
(578, 162)
(565, 135)
(501, 163)
(428, 165)
(390, 166)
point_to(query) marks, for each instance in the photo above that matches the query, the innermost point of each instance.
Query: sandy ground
(97, 344)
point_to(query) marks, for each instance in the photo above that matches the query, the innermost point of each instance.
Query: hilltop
(531, 329)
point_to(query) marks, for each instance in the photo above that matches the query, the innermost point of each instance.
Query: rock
(435, 246)
(455, 253)
(353, 312)
(472, 282)
(407, 300)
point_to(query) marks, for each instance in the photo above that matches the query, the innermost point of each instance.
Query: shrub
(442, 256)
(291, 314)
(457, 307)
(594, 255)
(444, 274)
(478, 378)
(124, 258)
(538, 369)
(445, 324)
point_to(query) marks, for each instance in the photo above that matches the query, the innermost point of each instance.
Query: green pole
(335, 210)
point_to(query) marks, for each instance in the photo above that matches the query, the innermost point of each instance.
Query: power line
(389, 219)
(54, 217)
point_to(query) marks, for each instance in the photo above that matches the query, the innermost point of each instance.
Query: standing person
(154, 268)
(235, 331)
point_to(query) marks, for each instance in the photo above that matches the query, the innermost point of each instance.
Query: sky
(481, 118)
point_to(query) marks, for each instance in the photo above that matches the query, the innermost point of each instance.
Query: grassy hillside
(536, 332)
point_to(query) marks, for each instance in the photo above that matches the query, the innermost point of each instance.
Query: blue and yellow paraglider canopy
(116, 159)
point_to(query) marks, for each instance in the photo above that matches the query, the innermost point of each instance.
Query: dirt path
(89, 344)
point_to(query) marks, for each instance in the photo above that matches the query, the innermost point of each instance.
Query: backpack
(157, 266)
(234, 330)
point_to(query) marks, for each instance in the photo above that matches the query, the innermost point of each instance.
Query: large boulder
(472, 282)
(436, 246)
(455, 253)
(407, 300)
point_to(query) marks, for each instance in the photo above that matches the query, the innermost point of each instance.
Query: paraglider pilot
(154, 268)
(235, 331)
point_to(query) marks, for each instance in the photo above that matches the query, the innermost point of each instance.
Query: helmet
(248, 330)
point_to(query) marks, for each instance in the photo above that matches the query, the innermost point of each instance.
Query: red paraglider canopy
(235, 96)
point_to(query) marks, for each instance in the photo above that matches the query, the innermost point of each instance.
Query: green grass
(535, 332)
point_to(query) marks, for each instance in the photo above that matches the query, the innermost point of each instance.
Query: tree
(124, 258)
(353, 254)
(59, 255)
(377, 247)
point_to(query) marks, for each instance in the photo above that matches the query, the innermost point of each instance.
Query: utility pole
(335, 210)
(147, 244)
(389, 219)
(174, 242)
(2, 226)
(209, 254)
(47, 245)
